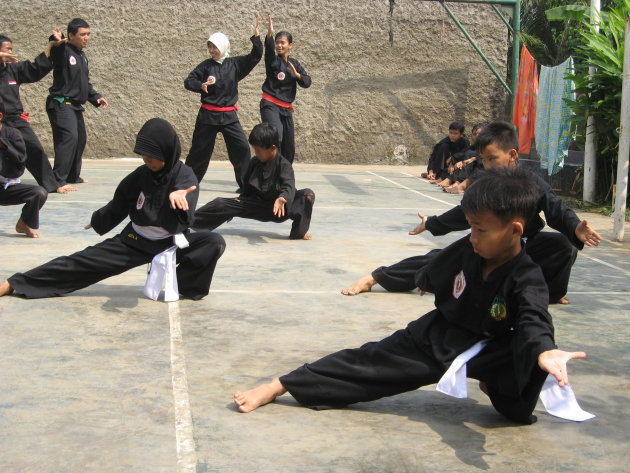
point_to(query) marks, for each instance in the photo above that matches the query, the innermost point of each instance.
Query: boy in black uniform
(14, 73)
(12, 192)
(268, 193)
(447, 147)
(70, 89)
(486, 288)
(463, 165)
(216, 79)
(554, 252)
(159, 197)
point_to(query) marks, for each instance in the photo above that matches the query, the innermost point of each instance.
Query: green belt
(66, 100)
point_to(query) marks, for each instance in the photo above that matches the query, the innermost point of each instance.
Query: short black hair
(264, 135)
(508, 193)
(286, 34)
(502, 134)
(456, 126)
(477, 126)
(75, 24)
(4, 39)
(2, 107)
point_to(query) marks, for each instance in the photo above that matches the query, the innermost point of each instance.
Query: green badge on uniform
(498, 310)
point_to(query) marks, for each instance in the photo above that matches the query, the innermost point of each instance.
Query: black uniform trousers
(553, 252)
(282, 119)
(221, 209)
(195, 267)
(202, 147)
(34, 198)
(396, 364)
(69, 139)
(36, 159)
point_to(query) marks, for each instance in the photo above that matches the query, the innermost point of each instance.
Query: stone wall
(368, 94)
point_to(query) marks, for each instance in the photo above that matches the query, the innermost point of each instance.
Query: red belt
(278, 102)
(25, 116)
(212, 108)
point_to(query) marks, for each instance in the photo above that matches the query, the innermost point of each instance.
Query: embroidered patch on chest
(73, 60)
(140, 201)
(459, 284)
(211, 80)
(281, 75)
(498, 309)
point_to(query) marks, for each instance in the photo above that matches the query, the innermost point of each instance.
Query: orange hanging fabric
(525, 103)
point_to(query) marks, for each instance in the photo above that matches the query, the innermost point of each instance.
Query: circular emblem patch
(211, 80)
(73, 60)
(281, 75)
(459, 284)
(498, 310)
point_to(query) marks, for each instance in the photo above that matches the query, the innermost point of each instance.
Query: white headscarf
(222, 43)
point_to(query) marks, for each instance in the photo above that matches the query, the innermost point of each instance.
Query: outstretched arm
(178, 198)
(420, 228)
(555, 361)
(587, 235)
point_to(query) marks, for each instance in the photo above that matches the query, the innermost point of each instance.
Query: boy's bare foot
(21, 227)
(454, 189)
(307, 237)
(362, 285)
(5, 288)
(563, 301)
(65, 189)
(247, 401)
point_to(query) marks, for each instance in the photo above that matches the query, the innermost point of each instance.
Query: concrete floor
(104, 380)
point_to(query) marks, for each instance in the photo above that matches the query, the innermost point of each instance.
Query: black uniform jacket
(270, 181)
(12, 153)
(71, 76)
(279, 82)
(509, 308)
(12, 75)
(144, 199)
(557, 214)
(224, 91)
(443, 150)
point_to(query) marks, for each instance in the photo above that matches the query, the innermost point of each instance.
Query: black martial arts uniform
(278, 94)
(143, 196)
(218, 111)
(460, 175)
(12, 75)
(70, 90)
(441, 152)
(554, 252)
(12, 161)
(263, 184)
(509, 309)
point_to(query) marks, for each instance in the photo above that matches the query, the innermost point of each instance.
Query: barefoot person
(12, 192)
(159, 197)
(14, 73)
(216, 80)
(464, 164)
(487, 289)
(554, 252)
(268, 193)
(70, 89)
(284, 74)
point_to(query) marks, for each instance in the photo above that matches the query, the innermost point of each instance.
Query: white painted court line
(269, 291)
(186, 452)
(597, 260)
(413, 190)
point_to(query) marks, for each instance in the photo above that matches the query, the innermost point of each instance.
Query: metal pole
(590, 148)
(516, 49)
(619, 216)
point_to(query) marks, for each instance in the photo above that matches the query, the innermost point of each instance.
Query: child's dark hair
(502, 134)
(508, 193)
(456, 126)
(285, 34)
(477, 126)
(75, 24)
(4, 39)
(264, 135)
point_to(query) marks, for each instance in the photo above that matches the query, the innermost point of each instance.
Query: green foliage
(600, 96)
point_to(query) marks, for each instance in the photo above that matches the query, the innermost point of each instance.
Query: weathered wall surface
(367, 97)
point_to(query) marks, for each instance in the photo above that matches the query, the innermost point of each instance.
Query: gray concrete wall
(367, 97)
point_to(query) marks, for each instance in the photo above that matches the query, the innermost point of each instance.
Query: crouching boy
(486, 288)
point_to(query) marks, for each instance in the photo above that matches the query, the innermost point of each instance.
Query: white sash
(163, 272)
